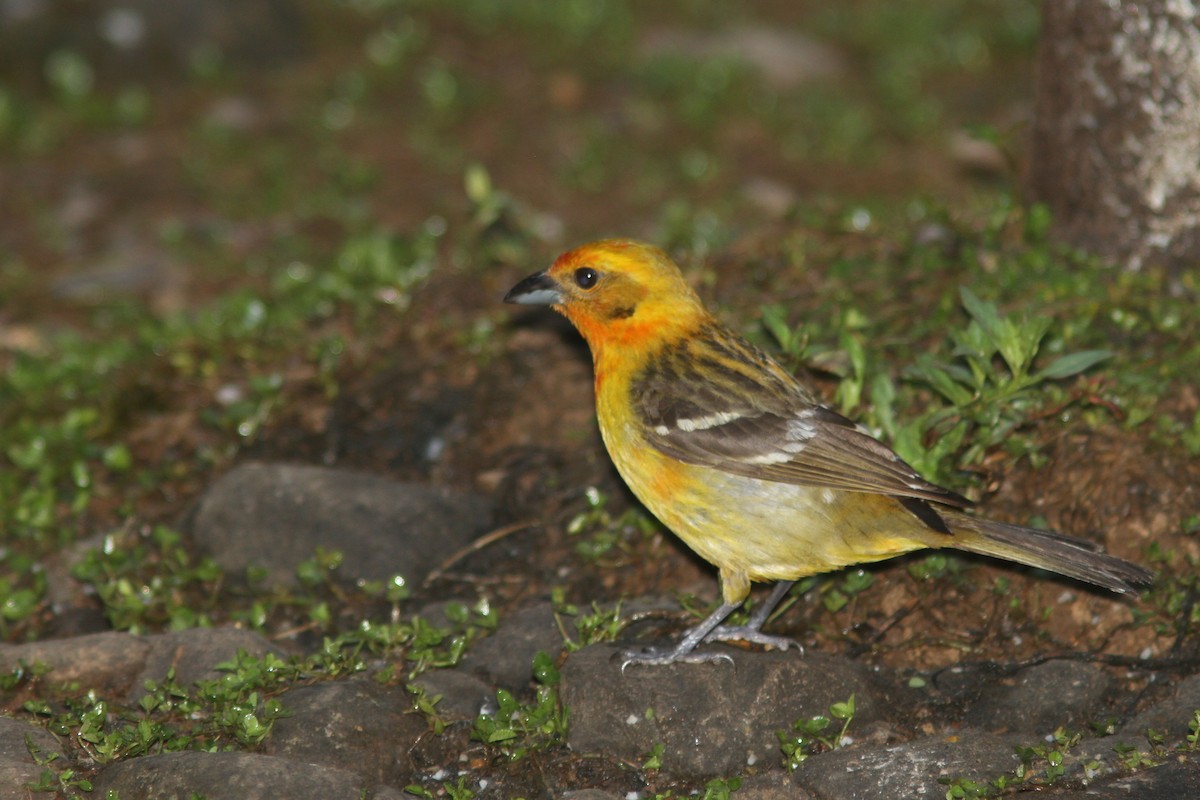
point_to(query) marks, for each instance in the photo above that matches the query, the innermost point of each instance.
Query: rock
(231, 776)
(194, 655)
(506, 657)
(785, 58)
(1178, 779)
(139, 38)
(771, 196)
(359, 726)
(1041, 698)
(276, 515)
(774, 785)
(17, 765)
(1171, 716)
(463, 695)
(911, 769)
(108, 662)
(713, 719)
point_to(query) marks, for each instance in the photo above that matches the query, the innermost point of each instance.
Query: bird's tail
(1047, 550)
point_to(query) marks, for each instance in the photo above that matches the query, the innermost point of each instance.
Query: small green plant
(51, 780)
(1132, 757)
(1170, 606)
(601, 534)
(1192, 740)
(960, 788)
(991, 389)
(835, 597)
(601, 625)
(426, 705)
(809, 736)
(1044, 762)
(721, 788)
(149, 579)
(848, 360)
(458, 790)
(654, 758)
(791, 342)
(517, 728)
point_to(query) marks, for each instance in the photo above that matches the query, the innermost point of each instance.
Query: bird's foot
(660, 656)
(748, 633)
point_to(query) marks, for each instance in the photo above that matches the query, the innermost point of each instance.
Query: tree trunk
(1116, 137)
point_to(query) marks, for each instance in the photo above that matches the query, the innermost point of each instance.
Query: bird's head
(615, 291)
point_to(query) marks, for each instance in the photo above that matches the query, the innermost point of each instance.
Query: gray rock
(1039, 699)
(907, 770)
(505, 658)
(1171, 716)
(136, 38)
(17, 765)
(231, 776)
(1178, 779)
(194, 655)
(773, 785)
(713, 719)
(784, 57)
(359, 726)
(463, 695)
(108, 661)
(276, 515)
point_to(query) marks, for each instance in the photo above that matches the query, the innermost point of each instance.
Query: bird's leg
(685, 650)
(752, 630)
(711, 630)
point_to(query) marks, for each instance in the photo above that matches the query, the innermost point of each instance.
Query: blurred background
(169, 150)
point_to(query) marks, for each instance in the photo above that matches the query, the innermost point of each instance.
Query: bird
(737, 457)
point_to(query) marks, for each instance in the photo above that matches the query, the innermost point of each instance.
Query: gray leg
(711, 630)
(752, 630)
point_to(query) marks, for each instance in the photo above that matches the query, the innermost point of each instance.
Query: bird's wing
(748, 417)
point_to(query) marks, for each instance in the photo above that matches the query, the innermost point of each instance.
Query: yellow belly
(763, 530)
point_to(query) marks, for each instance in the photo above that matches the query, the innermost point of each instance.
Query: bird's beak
(538, 289)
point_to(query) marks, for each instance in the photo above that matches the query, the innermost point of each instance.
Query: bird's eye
(586, 277)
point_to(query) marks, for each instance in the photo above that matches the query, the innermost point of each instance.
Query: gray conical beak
(538, 289)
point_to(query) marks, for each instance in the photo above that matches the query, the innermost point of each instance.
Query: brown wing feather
(721, 403)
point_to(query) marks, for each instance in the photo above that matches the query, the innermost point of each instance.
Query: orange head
(616, 291)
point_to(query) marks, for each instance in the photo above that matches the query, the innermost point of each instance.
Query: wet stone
(712, 719)
(359, 726)
(911, 769)
(1042, 698)
(17, 764)
(506, 657)
(108, 661)
(232, 776)
(275, 516)
(463, 695)
(1171, 716)
(194, 655)
(1177, 779)
(775, 785)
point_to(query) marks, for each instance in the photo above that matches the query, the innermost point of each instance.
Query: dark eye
(586, 277)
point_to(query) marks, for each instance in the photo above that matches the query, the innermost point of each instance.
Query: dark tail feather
(1048, 550)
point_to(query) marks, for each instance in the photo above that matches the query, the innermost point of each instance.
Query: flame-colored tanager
(742, 462)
